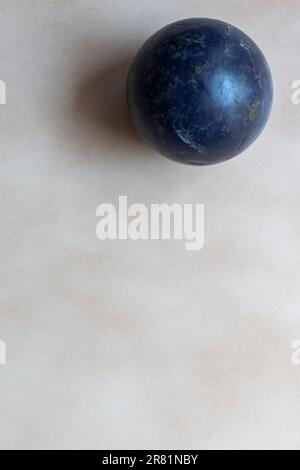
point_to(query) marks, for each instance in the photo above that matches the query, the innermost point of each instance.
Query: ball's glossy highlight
(200, 91)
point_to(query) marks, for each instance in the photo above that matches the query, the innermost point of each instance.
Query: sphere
(199, 91)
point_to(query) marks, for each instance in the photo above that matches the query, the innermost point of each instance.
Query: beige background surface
(141, 344)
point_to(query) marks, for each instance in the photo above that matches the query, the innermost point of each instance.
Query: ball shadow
(101, 105)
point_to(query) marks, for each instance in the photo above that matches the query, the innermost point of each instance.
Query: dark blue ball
(200, 91)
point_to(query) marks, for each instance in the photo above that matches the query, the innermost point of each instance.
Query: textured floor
(132, 344)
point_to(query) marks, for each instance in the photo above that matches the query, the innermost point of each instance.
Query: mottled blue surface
(200, 91)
